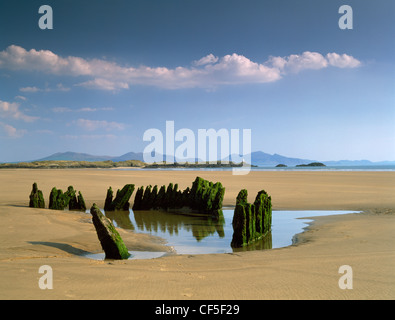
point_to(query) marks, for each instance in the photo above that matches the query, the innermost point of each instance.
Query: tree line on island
(312, 164)
(251, 221)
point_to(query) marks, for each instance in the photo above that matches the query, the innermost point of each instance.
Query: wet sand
(30, 238)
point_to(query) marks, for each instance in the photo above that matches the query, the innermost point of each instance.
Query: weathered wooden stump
(204, 197)
(36, 198)
(251, 222)
(121, 201)
(60, 201)
(109, 237)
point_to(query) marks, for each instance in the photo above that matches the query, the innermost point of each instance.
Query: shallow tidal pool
(199, 234)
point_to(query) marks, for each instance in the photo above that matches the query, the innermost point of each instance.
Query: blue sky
(109, 70)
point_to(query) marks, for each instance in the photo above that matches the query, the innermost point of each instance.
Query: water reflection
(186, 232)
(121, 219)
(265, 243)
(197, 233)
(199, 225)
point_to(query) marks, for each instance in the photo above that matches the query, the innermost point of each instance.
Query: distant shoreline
(70, 164)
(109, 164)
(194, 165)
(136, 164)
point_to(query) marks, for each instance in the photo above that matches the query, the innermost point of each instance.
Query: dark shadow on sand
(62, 246)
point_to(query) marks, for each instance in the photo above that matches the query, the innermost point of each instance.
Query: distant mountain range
(75, 156)
(258, 158)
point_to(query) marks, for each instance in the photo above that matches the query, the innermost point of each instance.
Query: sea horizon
(274, 168)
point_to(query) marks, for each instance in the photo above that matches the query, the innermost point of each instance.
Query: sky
(108, 71)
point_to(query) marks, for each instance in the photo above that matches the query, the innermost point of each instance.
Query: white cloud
(17, 58)
(59, 87)
(85, 109)
(206, 60)
(307, 60)
(11, 131)
(312, 60)
(239, 69)
(296, 63)
(104, 84)
(29, 89)
(92, 125)
(208, 72)
(342, 61)
(11, 110)
(277, 62)
(88, 109)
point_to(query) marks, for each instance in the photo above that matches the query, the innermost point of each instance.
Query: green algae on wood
(204, 197)
(75, 202)
(251, 222)
(121, 201)
(60, 201)
(36, 198)
(109, 238)
(57, 199)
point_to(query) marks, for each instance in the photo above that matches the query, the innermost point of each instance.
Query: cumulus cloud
(11, 110)
(207, 72)
(307, 60)
(236, 69)
(206, 60)
(17, 58)
(342, 61)
(312, 60)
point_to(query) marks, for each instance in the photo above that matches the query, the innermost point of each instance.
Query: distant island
(109, 164)
(70, 164)
(312, 164)
(219, 164)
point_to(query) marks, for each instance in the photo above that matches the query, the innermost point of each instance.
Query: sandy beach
(30, 238)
